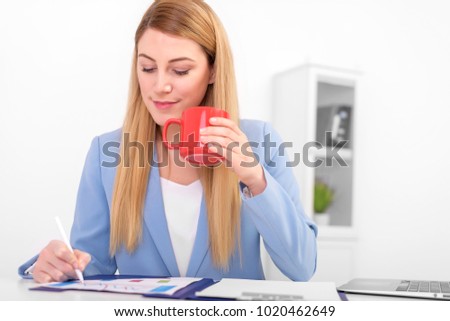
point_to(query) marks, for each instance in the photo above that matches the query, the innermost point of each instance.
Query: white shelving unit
(306, 101)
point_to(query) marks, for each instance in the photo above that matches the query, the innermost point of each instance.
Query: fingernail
(202, 130)
(213, 119)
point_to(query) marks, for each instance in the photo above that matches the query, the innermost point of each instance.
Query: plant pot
(322, 218)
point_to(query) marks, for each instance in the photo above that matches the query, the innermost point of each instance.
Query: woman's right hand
(56, 263)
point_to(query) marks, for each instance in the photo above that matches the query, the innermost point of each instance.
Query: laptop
(439, 290)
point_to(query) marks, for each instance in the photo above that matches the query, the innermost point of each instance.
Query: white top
(182, 206)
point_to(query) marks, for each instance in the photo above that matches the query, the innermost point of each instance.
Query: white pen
(66, 240)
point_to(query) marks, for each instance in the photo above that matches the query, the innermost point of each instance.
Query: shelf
(312, 100)
(345, 153)
(336, 233)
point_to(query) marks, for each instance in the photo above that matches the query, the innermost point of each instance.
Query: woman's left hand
(226, 139)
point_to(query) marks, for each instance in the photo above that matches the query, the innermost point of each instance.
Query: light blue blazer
(276, 215)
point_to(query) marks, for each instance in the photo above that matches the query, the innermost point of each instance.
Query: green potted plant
(323, 197)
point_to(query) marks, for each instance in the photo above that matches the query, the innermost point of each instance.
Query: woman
(155, 214)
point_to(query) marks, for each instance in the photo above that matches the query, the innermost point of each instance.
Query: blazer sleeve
(22, 270)
(288, 234)
(91, 225)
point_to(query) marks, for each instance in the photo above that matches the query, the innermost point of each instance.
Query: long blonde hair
(195, 20)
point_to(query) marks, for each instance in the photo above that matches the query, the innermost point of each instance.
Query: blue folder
(186, 293)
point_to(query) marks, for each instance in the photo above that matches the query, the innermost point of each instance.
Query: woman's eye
(182, 72)
(148, 69)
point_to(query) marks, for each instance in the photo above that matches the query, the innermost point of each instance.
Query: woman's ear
(212, 75)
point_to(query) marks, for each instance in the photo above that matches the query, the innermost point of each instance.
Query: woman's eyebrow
(171, 60)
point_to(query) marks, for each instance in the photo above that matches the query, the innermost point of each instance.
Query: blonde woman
(153, 213)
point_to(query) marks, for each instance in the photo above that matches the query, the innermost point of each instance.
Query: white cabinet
(309, 101)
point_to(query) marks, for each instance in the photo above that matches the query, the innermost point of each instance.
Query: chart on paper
(133, 285)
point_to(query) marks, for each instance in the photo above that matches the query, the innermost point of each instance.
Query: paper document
(134, 285)
(243, 289)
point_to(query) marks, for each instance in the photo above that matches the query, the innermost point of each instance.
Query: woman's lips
(164, 104)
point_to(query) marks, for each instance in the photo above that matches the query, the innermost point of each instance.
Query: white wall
(64, 69)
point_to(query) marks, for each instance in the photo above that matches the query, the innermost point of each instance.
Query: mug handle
(164, 133)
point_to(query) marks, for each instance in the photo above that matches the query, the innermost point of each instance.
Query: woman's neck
(172, 166)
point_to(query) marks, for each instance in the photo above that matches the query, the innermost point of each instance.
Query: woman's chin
(160, 121)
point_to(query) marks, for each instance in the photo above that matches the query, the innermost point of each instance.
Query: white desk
(16, 289)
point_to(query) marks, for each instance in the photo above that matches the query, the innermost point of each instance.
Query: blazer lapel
(201, 243)
(155, 220)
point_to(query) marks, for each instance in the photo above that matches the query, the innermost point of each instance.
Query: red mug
(192, 120)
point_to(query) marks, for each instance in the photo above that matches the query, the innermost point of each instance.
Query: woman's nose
(164, 85)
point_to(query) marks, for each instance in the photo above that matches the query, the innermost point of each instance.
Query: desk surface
(16, 289)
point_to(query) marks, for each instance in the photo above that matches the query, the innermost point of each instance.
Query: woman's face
(173, 74)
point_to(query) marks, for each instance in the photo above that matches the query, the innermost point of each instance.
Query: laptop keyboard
(424, 286)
